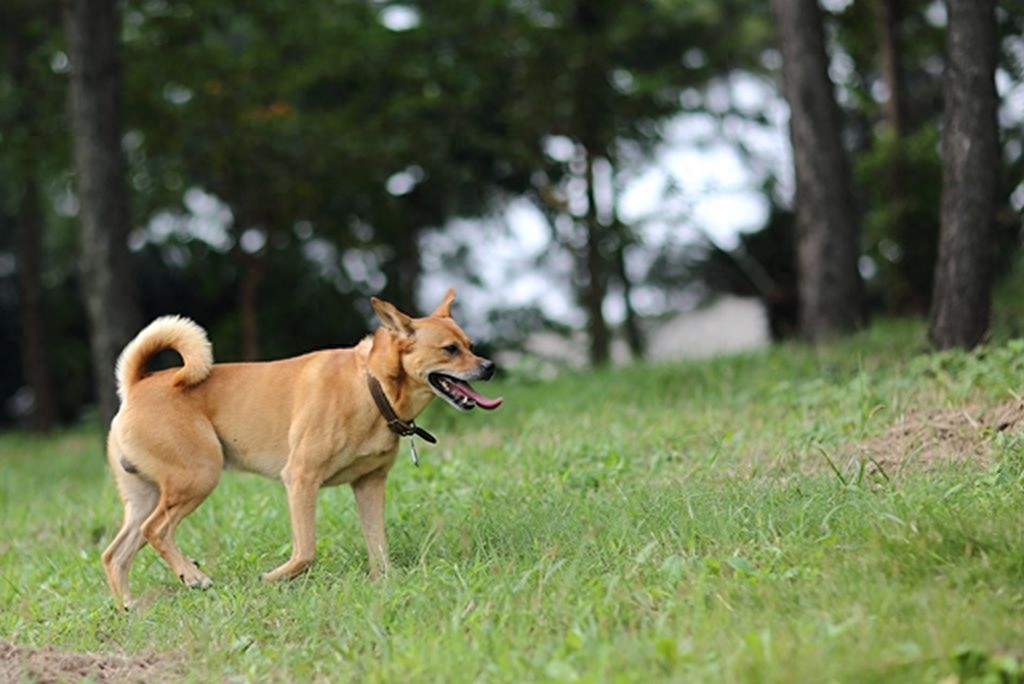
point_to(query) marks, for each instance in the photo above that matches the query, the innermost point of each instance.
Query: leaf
(741, 565)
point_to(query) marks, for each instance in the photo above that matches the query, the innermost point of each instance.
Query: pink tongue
(481, 401)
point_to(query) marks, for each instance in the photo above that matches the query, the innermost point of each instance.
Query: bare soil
(46, 665)
(960, 435)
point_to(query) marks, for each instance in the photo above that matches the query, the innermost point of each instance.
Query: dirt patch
(953, 435)
(45, 665)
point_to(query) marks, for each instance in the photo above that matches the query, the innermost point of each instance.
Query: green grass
(659, 523)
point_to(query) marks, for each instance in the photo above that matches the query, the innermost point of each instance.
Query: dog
(323, 419)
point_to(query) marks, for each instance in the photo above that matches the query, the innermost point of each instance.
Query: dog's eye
(452, 349)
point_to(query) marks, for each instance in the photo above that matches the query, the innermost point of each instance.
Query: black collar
(398, 426)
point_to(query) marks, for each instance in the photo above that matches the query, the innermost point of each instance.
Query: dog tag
(414, 454)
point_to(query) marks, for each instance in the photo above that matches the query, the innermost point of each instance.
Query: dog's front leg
(302, 490)
(369, 491)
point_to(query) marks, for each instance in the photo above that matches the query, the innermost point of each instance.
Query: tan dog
(310, 421)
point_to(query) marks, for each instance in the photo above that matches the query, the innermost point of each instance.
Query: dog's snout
(487, 369)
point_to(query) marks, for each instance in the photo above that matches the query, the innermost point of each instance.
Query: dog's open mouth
(460, 394)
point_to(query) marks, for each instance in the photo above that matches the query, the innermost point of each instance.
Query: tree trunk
(30, 222)
(404, 271)
(961, 300)
(589, 20)
(634, 335)
(624, 237)
(908, 294)
(890, 17)
(92, 28)
(596, 286)
(32, 310)
(831, 291)
(254, 268)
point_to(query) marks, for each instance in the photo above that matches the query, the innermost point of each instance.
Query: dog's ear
(393, 319)
(444, 309)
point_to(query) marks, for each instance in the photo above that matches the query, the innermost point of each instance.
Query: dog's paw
(272, 576)
(196, 580)
(293, 568)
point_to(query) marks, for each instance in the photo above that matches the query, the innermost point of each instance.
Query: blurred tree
(34, 354)
(892, 126)
(962, 300)
(831, 291)
(213, 105)
(92, 29)
(893, 93)
(890, 32)
(360, 141)
(25, 67)
(621, 68)
(386, 134)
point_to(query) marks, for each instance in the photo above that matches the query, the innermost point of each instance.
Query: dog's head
(435, 353)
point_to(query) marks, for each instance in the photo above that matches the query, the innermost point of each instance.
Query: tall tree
(92, 29)
(365, 164)
(831, 291)
(34, 349)
(890, 110)
(589, 19)
(889, 19)
(916, 240)
(24, 64)
(962, 299)
(621, 69)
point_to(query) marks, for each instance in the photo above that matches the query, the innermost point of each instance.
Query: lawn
(852, 514)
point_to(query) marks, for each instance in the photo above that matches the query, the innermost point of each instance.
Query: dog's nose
(487, 369)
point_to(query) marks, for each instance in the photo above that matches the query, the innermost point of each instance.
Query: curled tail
(168, 332)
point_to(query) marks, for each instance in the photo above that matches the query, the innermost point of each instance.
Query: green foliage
(656, 523)
(1008, 304)
(922, 43)
(901, 230)
(35, 156)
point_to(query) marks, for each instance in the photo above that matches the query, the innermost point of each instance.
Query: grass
(660, 523)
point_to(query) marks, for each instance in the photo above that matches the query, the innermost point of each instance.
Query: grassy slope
(674, 522)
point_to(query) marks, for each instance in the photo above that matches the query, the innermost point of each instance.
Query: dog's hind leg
(159, 529)
(139, 497)
(184, 484)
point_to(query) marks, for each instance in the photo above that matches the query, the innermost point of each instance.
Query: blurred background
(602, 181)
